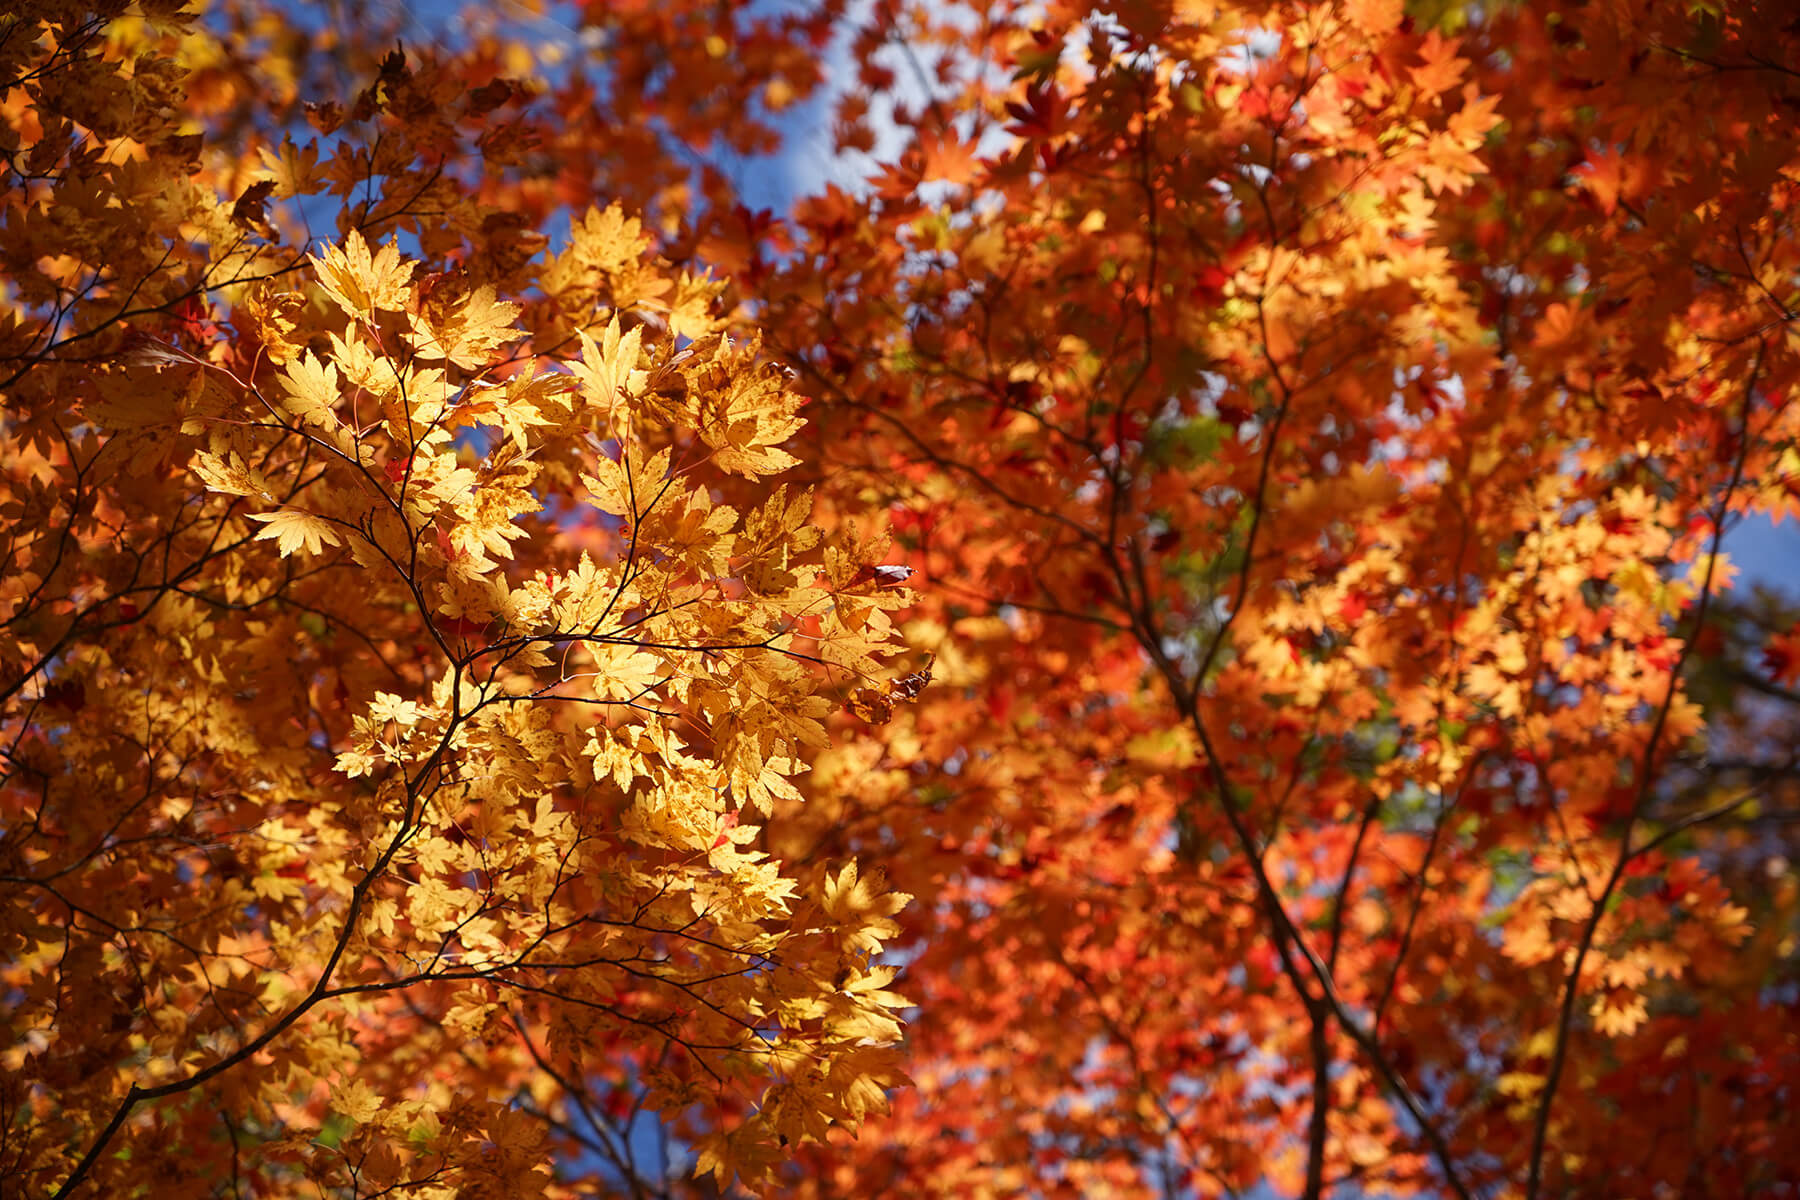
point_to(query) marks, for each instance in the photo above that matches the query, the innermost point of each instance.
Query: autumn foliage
(1171, 629)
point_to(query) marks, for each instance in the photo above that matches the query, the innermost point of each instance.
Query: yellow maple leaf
(1712, 571)
(312, 390)
(625, 490)
(469, 333)
(607, 238)
(1617, 1013)
(295, 530)
(356, 1100)
(625, 674)
(690, 312)
(294, 169)
(229, 473)
(608, 371)
(360, 282)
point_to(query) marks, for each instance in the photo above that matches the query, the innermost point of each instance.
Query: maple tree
(389, 685)
(1206, 572)
(1316, 428)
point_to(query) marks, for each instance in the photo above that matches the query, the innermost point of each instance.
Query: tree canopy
(1169, 628)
